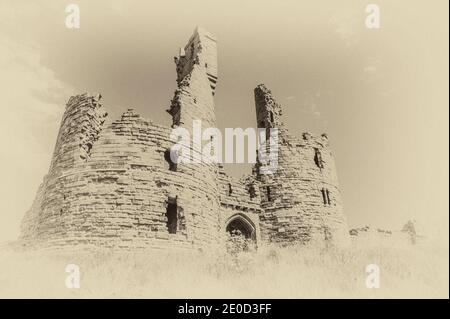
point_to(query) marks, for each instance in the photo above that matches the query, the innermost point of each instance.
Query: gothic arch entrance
(240, 224)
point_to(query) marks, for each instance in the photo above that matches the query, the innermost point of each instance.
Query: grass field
(408, 271)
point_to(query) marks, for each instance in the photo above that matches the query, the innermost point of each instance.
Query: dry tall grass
(419, 270)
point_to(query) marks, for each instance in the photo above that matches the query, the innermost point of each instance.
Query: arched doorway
(241, 233)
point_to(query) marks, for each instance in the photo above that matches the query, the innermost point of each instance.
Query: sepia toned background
(380, 94)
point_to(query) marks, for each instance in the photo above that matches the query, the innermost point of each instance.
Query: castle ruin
(113, 184)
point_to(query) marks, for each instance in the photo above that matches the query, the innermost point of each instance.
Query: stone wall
(80, 127)
(119, 195)
(369, 236)
(239, 199)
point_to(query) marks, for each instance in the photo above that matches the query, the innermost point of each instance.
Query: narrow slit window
(172, 216)
(269, 197)
(252, 191)
(324, 196)
(230, 189)
(328, 197)
(318, 158)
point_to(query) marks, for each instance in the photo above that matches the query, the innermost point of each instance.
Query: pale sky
(380, 94)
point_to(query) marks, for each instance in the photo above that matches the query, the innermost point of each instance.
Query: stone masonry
(112, 183)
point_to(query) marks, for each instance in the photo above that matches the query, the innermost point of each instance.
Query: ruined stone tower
(301, 200)
(197, 79)
(113, 183)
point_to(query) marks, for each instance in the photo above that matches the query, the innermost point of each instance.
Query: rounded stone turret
(301, 199)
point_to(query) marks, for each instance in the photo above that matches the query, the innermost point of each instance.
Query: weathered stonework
(301, 201)
(112, 183)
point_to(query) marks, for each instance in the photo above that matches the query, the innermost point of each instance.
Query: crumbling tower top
(268, 111)
(200, 50)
